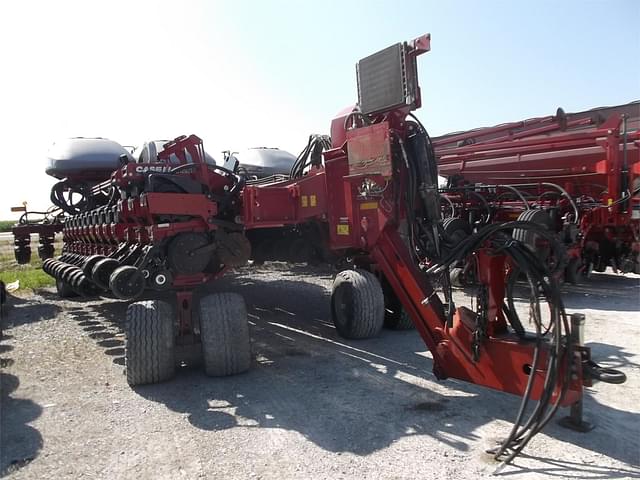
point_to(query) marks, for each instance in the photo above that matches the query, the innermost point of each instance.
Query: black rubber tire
(86, 287)
(357, 304)
(224, 333)
(529, 237)
(76, 260)
(127, 282)
(90, 262)
(23, 256)
(74, 280)
(102, 271)
(60, 269)
(399, 321)
(64, 290)
(149, 348)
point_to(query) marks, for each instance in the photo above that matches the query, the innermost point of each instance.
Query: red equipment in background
(366, 200)
(591, 158)
(165, 225)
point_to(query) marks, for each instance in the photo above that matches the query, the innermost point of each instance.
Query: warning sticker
(369, 206)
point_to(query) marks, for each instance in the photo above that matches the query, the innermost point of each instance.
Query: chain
(481, 322)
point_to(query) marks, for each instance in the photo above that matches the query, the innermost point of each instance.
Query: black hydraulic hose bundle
(311, 155)
(52, 215)
(66, 204)
(62, 194)
(542, 283)
(422, 172)
(425, 234)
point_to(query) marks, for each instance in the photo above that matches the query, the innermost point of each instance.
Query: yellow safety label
(305, 201)
(369, 206)
(343, 229)
(313, 201)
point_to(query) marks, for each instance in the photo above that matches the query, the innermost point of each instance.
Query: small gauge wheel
(127, 282)
(162, 280)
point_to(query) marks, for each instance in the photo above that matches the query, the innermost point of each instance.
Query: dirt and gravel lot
(312, 406)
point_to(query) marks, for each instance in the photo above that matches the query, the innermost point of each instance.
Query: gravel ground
(312, 406)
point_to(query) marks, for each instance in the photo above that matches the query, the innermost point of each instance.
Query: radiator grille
(382, 81)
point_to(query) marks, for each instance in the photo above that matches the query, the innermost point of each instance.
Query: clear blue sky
(249, 73)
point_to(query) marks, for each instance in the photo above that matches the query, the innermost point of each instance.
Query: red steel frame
(134, 219)
(570, 158)
(371, 226)
(574, 151)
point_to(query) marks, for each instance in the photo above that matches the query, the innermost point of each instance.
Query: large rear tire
(224, 333)
(149, 347)
(357, 304)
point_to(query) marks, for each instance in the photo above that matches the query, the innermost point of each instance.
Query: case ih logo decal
(145, 169)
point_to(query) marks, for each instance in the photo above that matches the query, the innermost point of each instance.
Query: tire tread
(149, 346)
(224, 333)
(368, 304)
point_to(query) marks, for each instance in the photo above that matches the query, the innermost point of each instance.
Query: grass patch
(5, 225)
(31, 277)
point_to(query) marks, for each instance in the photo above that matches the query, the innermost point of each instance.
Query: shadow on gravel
(604, 291)
(554, 467)
(356, 396)
(20, 311)
(611, 356)
(104, 323)
(50, 295)
(20, 443)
